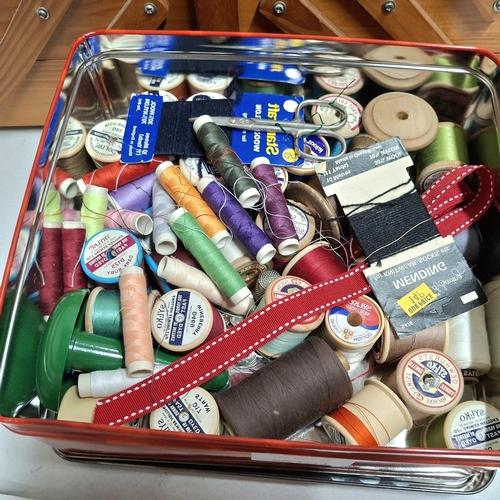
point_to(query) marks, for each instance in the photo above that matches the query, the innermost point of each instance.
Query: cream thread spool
(327, 115)
(375, 415)
(353, 327)
(389, 347)
(173, 83)
(200, 83)
(471, 425)
(428, 382)
(183, 319)
(295, 334)
(492, 314)
(76, 409)
(104, 141)
(196, 412)
(469, 345)
(138, 344)
(348, 81)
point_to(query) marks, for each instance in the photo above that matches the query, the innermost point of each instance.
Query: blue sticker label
(179, 320)
(156, 67)
(277, 147)
(141, 130)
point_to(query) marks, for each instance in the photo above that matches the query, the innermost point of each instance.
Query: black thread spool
(288, 394)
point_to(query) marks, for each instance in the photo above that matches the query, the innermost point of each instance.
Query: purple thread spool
(276, 208)
(235, 217)
(135, 195)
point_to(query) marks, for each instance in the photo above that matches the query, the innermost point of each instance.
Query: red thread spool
(316, 263)
(65, 184)
(73, 240)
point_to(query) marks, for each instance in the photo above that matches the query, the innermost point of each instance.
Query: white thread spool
(73, 157)
(468, 344)
(353, 327)
(104, 141)
(196, 411)
(200, 83)
(295, 334)
(492, 314)
(348, 81)
(376, 408)
(173, 83)
(428, 382)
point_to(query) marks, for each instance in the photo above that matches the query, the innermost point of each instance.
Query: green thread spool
(265, 87)
(447, 151)
(484, 147)
(102, 314)
(93, 211)
(207, 254)
(225, 160)
(459, 81)
(52, 211)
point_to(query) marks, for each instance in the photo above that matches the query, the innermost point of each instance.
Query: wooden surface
(462, 22)
(219, 15)
(132, 15)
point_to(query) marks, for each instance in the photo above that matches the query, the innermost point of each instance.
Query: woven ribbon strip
(444, 201)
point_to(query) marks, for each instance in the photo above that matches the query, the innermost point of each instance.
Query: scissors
(296, 127)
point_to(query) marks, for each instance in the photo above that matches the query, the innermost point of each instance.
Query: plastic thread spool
(108, 252)
(396, 78)
(93, 211)
(174, 83)
(65, 347)
(193, 169)
(18, 386)
(353, 327)
(471, 425)
(294, 335)
(428, 382)
(195, 411)
(76, 409)
(104, 141)
(336, 80)
(200, 83)
(398, 114)
(183, 319)
(389, 347)
(326, 115)
(374, 416)
(102, 314)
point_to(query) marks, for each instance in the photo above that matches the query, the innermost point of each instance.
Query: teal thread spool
(224, 159)
(208, 255)
(102, 314)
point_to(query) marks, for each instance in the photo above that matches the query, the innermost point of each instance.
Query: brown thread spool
(288, 394)
(374, 416)
(361, 141)
(389, 347)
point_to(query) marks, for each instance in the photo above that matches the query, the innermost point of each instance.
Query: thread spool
(136, 195)
(468, 345)
(353, 327)
(208, 256)
(265, 87)
(193, 169)
(277, 215)
(237, 219)
(65, 184)
(186, 195)
(316, 263)
(173, 83)
(180, 274)
(72, 241)
(183, 319)
(195, 411)
(337, 80)
(395, 78)
(295, 334)
(314, 145)
(52, 211)
(448, 150)
(374, 416)
(73, 408)
(73, 157)
(138, 345)
(224, 159)
(108, 252)
(288, 394)
(93, 211)
(484, 148)
(471, 425)
(390, 347)
(428, 382)
(103, 313)
(137, 223)
(327, 115)
(164, 239)
(361, 141)
(104, 141)
(398, 114)
(204, 83)
(492, 314)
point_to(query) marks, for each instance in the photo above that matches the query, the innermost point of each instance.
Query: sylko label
(476, 427)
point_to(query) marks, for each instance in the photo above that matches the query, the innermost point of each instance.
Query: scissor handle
(321, 102)
(306, 156)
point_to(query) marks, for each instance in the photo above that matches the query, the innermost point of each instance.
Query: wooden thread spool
(398, 114)
(183, 319)
(104, 141)
(353, 327)
(295, 334)
(374, 416)
(471, 425)
(337, 80)
(492, 314)
(428, 382)
(361, 141)
(390, 347)
(76, 409)
(196, 412)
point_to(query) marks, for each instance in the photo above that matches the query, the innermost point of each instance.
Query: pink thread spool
(137, 223)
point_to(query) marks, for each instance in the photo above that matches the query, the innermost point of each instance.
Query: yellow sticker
(289, 155)
(417, 299)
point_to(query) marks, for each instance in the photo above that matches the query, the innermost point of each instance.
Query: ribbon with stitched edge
(444, 201)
